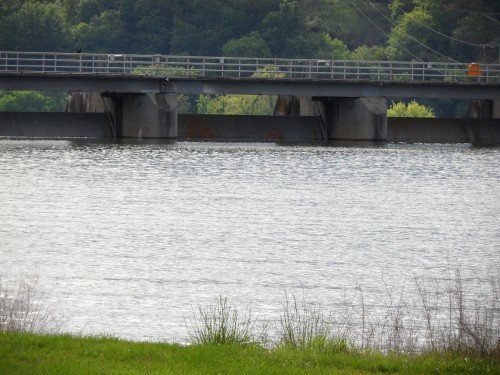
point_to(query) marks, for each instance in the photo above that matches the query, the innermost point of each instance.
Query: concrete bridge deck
(114, 73)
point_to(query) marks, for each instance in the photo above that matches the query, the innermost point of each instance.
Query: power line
(381, 30)
(411, 37)
(440, 33)
(486, 15)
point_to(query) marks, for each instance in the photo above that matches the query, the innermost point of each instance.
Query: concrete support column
(287, 106)
(481, 108)
(496, 108)
(350, 119)
(148, 116)
(84, 102)
(357, 119)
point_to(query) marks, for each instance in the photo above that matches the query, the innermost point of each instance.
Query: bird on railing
(79, 50)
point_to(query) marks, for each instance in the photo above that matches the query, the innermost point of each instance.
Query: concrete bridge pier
(348, 119)
(131, 115)
(147, 116)
(484, 108)
(356, 119)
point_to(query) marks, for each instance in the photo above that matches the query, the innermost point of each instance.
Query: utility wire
(440, 33)
(382, 31)
(490, 18)
(411, 37)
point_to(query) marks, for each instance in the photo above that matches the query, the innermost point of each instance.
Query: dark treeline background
(430, 30)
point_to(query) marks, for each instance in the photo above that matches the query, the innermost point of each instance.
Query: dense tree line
(437, 30)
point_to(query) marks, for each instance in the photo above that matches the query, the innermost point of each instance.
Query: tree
(368, 53)
(283, 25)
(333, 49)
(474, 28)
(252, 45)
(151, 22)
(77, 11)
(237, 104)
(106, 33)
(412, 109)
(343, 21)
(34, 26)
(241, 104)
(31, 101)
(457, 30)
(409, 38)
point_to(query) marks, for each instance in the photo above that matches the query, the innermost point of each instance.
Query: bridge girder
(250, 86)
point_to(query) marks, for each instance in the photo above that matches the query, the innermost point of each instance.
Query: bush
(306, 328)
(220, 324)
(413, 109)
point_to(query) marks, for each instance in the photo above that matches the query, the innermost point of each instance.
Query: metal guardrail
(242, 67)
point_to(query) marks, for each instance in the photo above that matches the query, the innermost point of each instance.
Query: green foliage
(368, 53)
(252, 45)
(220, 324)
(268, 72)
(237, 105)
(410, 29)
(89, 36)
(333, 49)
(306, 328)
(282, 25)
(241, 104)
(33, 26)
(413, 109)
(436, 30)
(187, 103)
(31, 101)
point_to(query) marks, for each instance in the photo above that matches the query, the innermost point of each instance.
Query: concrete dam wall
(249, 128)
(55, 125)
(443, 130)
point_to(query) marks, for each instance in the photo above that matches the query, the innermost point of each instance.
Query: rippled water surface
(129, 238)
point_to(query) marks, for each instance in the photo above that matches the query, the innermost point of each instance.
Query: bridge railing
(242, 67)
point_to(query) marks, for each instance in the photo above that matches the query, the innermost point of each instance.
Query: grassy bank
(25, 353)
(460, 334)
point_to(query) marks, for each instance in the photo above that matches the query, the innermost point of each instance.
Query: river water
(129, 239)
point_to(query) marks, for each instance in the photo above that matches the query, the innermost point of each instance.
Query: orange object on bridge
(475, 70)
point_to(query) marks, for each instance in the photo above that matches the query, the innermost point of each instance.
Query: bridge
(152, 83)
(233, 75)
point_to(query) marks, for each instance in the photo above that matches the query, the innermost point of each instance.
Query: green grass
(24, 353)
